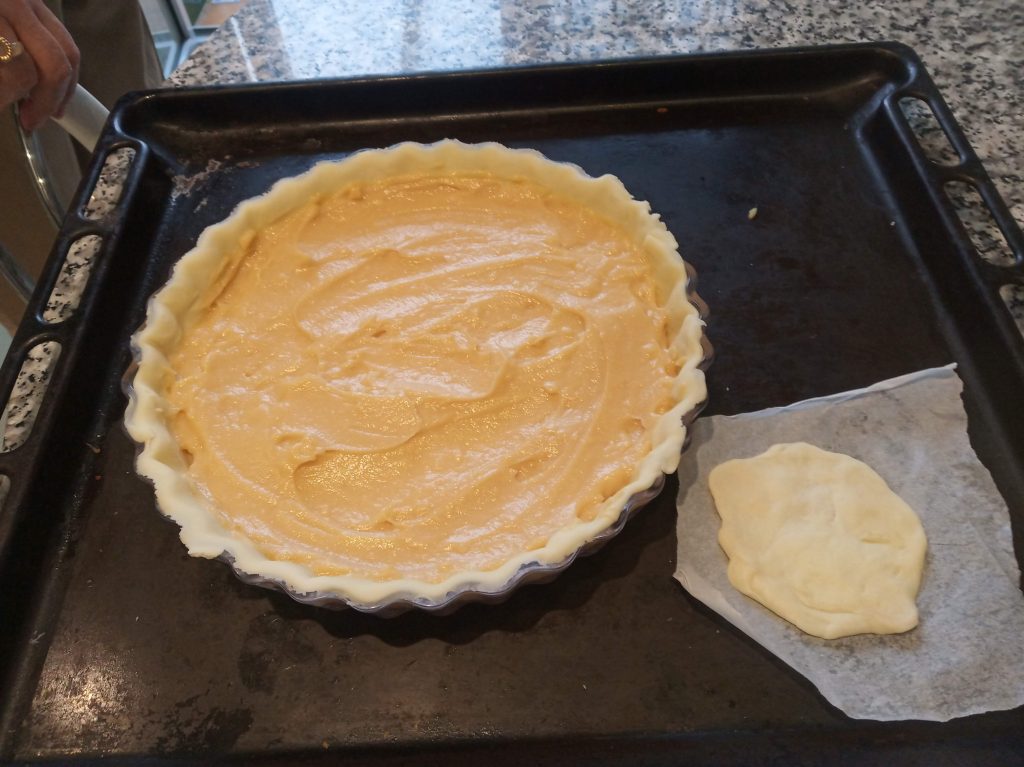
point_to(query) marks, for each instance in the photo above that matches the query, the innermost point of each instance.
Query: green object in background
(194, 8)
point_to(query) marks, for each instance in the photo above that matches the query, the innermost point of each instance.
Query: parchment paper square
(967, 654)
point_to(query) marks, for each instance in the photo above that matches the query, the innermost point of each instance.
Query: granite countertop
(974, 51)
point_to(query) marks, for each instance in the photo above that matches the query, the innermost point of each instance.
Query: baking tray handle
(47, 347)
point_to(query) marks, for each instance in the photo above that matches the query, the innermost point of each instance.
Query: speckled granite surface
(974, 51)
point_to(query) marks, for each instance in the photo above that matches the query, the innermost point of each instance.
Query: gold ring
(10, 49)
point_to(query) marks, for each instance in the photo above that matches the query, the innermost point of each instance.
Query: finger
(53, 69)
(67, 44)
(17, 76)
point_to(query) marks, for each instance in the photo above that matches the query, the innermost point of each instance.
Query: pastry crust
(820, 539)
(182, 302)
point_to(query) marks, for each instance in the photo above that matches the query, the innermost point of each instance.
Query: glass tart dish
(417, 377)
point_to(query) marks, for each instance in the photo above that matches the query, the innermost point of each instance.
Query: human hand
(43, 77)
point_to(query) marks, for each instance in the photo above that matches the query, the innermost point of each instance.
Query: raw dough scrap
(820, 539)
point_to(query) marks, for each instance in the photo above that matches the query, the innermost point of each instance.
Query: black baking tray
(118, 647)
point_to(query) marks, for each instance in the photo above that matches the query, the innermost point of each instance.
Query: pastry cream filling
(422, 375)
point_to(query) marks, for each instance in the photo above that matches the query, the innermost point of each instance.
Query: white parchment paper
(967, 654)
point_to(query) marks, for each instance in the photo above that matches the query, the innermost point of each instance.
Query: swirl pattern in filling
(421, 375)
